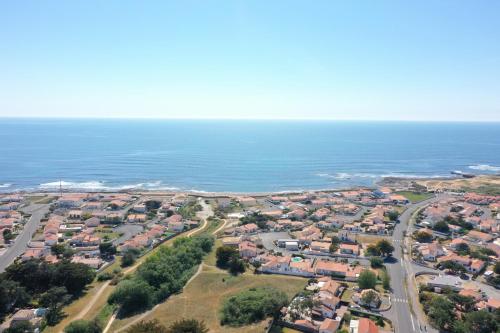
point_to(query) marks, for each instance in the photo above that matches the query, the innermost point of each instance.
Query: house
(247, 201)
(247, 249)
(91, 262)
(92, 222)
(430, 252)
(139, 208)
(362, 325)
(35, 253)
(249, 228)
(398, 199)
(136, 218)
(332, 268)
(231, 241)
(445, 281)
(175, 226)
(319, 246)
(329, 326)
(479, 237)
(352, 249)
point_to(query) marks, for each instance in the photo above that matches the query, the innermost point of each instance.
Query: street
(37, 212)
(404, 296)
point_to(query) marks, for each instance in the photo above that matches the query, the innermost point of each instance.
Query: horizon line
(254, 119)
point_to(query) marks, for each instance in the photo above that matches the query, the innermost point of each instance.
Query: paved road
(403, 318)
(37, 212)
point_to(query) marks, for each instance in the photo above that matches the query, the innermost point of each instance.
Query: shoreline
(401, 183)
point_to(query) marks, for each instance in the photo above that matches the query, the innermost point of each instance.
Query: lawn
(204, 296)
(415, 196)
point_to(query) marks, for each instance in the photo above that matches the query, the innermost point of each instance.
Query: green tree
(7, 235)
(385, 247)
(12, 295)
(107, 249)
(83, 326)
(497, 268)
(453, 266)
(129, 256)
(188, 326)
(132, 296)
(369, 297)
(152, 326)
(236, 266)
(441, 312)
(252, 305)
(376, 262)
(224, 255)
(423, 236)
(367, 279)
(442, 226)
(386, 280)
(54, 299)
(393, 215)
(372, 250)
(481, 321)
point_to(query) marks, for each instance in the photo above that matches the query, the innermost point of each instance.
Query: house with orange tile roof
(247, 249)
(363, 325)
(351, 249)
(479, 237)
(329, 268)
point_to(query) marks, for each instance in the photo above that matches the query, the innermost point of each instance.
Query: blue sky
(397, 60)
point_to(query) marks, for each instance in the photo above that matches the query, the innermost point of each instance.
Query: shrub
(83, 326)
(252, 306)
(367, 280)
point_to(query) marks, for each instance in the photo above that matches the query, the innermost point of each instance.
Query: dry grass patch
(203, 298)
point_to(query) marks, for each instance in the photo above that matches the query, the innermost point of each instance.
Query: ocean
(235, 155)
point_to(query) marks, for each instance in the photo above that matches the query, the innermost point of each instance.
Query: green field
(415, 196)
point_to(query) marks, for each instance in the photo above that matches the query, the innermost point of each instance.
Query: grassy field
(98, 309)
(414, 196)
(202, 298)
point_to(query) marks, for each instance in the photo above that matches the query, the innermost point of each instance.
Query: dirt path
(204, 215)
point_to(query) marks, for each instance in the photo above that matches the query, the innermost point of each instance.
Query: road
(404, 297)
(20, 245)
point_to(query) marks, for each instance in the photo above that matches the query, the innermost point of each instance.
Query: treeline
(36, 282)
(161, 275)
(442, 312)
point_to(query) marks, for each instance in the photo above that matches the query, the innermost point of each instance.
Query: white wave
(6, 185)
(485, 167)
(101, 186)
(346, 176)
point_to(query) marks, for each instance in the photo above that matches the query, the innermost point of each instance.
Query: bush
(367, 280)
(152, 326)
(132, 296)
(105, 276)
(83, 326)
(442, 226)
(187, 326)
(252, 306)
(376, 262)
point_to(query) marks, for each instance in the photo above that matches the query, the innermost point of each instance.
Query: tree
(54, 299)
(188, 326)
(107, 249)
(132, 296)
(480, 321)
(497, 268)
(466, 303)
(83, 326)
(423, 236)
(369, 297)
(453, 266)
(252, 306)
(385, 247)
(376, 262)
(12, 295)
(224, 255)
(236, 265)
(7, 235)
(386, 280)
(333, 247)
(372, 250)
(74, 276)
(152, 326)
(441, 312)
(129, 256)
(367, 279)
(463, 249)
(442, 226)
(393, 215)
